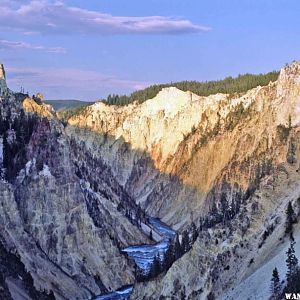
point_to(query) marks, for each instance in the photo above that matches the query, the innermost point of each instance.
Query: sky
(79, 49)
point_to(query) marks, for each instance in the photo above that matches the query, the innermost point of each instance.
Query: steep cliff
(62, 213)
(255, 151)
(197, 143)
(183, 157)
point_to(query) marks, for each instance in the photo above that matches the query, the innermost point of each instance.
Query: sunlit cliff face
(197, 138)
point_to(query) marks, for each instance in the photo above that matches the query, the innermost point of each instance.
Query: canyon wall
(73, 195)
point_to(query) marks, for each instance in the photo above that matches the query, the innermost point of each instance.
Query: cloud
(69, 82)
(14, 45)
(55, 17)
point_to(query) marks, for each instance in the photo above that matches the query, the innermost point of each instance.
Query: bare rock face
(3, 86)
(192, 144)
(180, 159)
(62, 214)
(157, 126)
(259, 153)
(43, 110)
(2, 72)
(236, 259)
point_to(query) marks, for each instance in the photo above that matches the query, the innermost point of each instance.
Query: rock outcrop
(2, 72)
(3, 86)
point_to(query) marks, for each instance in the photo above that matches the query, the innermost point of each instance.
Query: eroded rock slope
(227, 162)
(62, 213)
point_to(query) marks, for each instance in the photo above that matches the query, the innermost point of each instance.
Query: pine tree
(275, 285)
(177, 248)
(214, 211)
(169, 257)
(292, 266)
(140, 275)
(224, 207)
(151, 235)
(194, 232)
(228, 85)
(155, 266)
(290, 215)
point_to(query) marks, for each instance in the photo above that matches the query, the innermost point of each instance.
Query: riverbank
(144, 255)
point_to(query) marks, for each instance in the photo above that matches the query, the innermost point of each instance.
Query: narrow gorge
(180, 196)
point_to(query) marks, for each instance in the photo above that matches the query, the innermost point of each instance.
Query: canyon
(74, 194)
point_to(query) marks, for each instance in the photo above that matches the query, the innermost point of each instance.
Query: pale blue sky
(87, 49)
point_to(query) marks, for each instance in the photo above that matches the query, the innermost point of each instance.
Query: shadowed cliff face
(134, 170)
(62, 213)
(235, 259)
(258, 156)
(194, 145)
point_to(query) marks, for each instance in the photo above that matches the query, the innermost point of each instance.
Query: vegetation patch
(229, 85)
(65, 115)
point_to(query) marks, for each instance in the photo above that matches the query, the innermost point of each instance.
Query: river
(143, 256)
